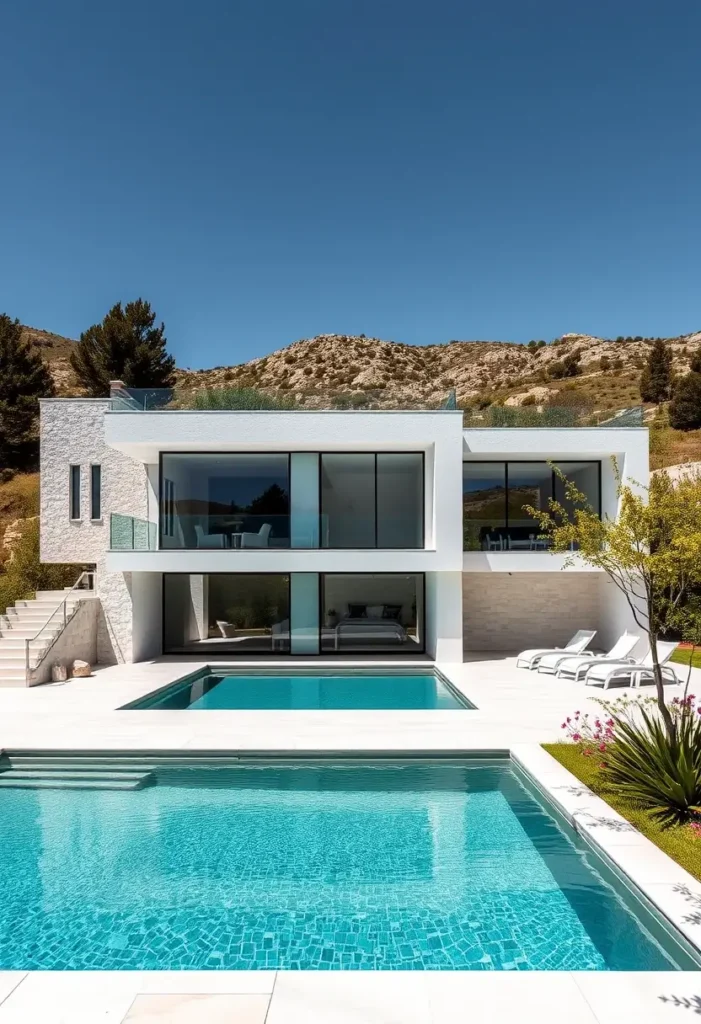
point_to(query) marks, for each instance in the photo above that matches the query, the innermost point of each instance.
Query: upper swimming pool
(365, 865)
(349, 691)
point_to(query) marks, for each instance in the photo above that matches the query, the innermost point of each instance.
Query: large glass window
(348, 500)
(226, 614)
(400, 500)
(372, 612)
(528, 483)
(586, 476)
(484, 504)
(495, 495)
(372, 500)
(225, 501)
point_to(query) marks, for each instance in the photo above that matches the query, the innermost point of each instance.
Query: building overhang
(142, 435)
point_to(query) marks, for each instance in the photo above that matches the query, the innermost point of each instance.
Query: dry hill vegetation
(340, 370)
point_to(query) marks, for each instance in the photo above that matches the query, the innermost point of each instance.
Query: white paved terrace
(513, 706)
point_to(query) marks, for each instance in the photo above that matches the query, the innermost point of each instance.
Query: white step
(48, 603)
(12, 660)
(28, 632)
(13, 676)
(10, 643)
(52, 595)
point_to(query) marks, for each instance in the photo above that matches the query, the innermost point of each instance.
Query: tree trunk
(659, 685)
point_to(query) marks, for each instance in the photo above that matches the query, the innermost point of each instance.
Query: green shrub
(25, 574)
(237, 398)
(661, 773)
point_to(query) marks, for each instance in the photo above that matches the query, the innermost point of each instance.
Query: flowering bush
(658, 771)
(593, 734)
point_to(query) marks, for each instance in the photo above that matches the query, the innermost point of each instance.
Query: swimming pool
(420, 865)
(349, 691)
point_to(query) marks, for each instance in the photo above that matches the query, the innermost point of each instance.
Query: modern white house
(333, 533)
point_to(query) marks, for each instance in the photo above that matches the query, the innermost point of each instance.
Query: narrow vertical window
(96, 492)
(74, 497)
(168, 508)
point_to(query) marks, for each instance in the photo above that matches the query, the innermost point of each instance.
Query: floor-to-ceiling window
(372, 500)
(372, 612)
(228, 613)
(496, 496)
(223, 500)
(297, 613)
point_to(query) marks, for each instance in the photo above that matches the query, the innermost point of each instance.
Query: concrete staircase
(22, 622)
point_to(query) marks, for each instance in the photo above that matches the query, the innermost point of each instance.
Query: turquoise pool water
(339, 692)
(310, 865)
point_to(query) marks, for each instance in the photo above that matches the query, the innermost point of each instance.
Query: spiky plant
(659, 771)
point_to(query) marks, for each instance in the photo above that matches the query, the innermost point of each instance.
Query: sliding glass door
(297, 613)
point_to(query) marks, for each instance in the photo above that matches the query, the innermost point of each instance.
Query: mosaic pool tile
(394, 867)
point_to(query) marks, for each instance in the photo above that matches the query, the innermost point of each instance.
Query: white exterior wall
(147, 612)
(72, 433)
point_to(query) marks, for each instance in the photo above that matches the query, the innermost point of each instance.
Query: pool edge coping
(676, 898)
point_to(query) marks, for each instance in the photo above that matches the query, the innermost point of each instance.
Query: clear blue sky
(267, 170)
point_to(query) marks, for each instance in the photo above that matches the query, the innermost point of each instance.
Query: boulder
(80, 669)
(59, 672)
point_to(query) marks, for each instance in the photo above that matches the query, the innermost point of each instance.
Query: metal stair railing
(86, 576)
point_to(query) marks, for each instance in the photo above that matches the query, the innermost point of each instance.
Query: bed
(369, 627)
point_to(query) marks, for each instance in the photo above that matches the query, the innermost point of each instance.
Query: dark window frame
(374, 547)
(289, 455)
(228, 653)
(161, 534)
(290, 654)
(95, 492)
(75, 484)
(390, 654)
(535, 462)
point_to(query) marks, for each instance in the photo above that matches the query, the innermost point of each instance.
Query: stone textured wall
(503, 612)
(77, 640)
(72, 433)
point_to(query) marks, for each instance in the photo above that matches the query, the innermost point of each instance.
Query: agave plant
(659, 771)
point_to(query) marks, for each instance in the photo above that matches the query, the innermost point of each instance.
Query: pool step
(7, 782)
(81, 765)
(71, 776)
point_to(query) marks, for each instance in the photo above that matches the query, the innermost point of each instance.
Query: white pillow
(375, 611)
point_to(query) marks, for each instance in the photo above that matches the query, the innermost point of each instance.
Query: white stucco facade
(467, 594)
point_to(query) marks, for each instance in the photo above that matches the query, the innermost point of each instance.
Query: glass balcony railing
(127, 533)
(552, 416)
(223, 399)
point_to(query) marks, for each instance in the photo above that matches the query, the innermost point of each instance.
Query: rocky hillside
(333, 367)
(56, 351)
(338, 369)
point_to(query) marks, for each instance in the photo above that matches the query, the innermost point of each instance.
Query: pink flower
(602, 748)
(576, 737)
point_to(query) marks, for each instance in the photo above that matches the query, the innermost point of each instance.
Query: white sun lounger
(609, 672)
(564, 666)
(581, 639)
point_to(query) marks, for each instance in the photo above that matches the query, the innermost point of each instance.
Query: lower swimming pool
(347, 691)
(420, 865)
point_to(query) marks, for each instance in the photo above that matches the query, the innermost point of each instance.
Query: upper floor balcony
(275, 500)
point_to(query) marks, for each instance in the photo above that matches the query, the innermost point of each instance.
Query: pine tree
(126, 346)
(656, 378)
(24, 379)
(685, 407)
